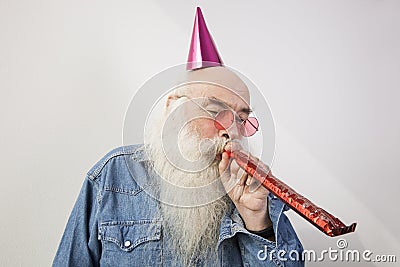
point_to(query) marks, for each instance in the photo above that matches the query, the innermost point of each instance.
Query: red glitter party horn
(320, 218)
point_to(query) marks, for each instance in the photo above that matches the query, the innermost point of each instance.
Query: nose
(230, 133)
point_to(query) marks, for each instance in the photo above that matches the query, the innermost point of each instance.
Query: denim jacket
(114, 222)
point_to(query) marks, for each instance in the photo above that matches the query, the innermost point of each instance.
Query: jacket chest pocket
(131, 243)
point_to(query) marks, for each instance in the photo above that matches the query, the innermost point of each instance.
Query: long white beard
(193, 230)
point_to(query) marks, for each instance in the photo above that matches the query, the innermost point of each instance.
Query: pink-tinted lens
(249, 126)
(224, 119)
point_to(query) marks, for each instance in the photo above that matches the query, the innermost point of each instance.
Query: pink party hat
(203, 52)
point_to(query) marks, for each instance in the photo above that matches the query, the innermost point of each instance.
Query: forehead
(238, 98)
(220, 83)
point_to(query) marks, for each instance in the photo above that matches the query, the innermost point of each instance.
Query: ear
(170, 99)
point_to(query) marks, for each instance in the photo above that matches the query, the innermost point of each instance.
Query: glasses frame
(241, 123)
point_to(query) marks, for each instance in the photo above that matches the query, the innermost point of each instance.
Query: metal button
(127, 243)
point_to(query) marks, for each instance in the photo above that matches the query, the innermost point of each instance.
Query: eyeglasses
(224, 119)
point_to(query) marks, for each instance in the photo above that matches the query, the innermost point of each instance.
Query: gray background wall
(329, 70)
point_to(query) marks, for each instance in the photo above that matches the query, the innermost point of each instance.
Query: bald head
(216, 82)
(221, 76)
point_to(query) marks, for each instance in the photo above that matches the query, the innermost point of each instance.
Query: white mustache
(212, 147)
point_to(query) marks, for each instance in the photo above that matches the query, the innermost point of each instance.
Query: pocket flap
(130, 234)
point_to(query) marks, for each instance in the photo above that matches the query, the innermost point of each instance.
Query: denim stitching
(123, 191)
(130, 223)
(125, 151)
(103, 234)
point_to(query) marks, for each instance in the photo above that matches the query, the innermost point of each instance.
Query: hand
(250, 200)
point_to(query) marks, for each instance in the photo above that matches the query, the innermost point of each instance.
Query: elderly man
(183, 203)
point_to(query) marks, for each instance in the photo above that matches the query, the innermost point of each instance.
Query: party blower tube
(318, 217)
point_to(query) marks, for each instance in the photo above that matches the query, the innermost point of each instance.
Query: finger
(249, 180)
(224, 163)
(243, 178)
(231, 178)
(254, 185)
(240, 175)
(229, 182)
(234, 168)
(238, 192)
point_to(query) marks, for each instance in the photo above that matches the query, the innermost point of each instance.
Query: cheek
(205, 128)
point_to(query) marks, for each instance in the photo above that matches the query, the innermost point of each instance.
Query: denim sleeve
(79, 245)
(285, 251)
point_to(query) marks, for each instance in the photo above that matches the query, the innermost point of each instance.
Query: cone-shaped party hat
(203, 52)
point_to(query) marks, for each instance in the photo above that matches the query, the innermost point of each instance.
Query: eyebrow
(217, 101)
